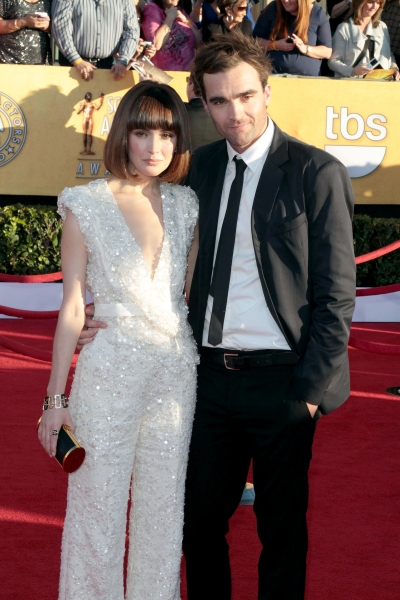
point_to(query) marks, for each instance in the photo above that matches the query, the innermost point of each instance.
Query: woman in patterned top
(24, 32)
(174, 33)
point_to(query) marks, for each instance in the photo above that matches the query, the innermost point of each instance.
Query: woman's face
(369, 9)
(291, 6)
(150, 151)
(238, 12)
(169, 3)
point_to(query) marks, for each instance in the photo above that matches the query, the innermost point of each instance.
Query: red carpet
(354, 480)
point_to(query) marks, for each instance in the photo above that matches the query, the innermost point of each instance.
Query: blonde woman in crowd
(362, 37)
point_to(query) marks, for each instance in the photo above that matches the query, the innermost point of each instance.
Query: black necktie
(223, 261)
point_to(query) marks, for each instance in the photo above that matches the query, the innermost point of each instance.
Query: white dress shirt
(248, 323)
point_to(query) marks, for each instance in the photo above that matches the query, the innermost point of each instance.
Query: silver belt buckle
(226, 366)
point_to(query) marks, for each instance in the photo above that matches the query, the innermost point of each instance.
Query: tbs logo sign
(359, 160)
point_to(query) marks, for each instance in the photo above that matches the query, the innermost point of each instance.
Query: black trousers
(244, 415)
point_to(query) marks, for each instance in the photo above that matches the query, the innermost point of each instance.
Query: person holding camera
(360, 40)
(24, 32)
(174, 33)
(296, 35)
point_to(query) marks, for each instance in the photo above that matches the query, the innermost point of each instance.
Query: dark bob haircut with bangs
(149, 105)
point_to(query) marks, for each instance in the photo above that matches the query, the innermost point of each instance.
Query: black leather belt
(242, 361)
(93, 60)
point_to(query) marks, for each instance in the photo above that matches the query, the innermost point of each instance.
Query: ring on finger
(54, 432)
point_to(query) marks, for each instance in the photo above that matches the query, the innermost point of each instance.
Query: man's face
(88, 97)
(237, 104)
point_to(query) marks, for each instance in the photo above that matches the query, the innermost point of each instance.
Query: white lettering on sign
(112, 109)
(105, 128)
(12, 129)
(372, 125)
(94, 168)
(113, 104)
(359, 160)
(344, 122)
(79, 170)
(346, 117)
(330, 117)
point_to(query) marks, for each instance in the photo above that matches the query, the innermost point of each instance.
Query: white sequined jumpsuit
(132, 402)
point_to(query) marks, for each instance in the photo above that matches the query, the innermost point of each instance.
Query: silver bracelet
(56, 401)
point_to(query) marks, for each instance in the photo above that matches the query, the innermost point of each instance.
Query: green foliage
(386, 270)
(362, 235)
(29, 240)
(371, 234)
(30, 243)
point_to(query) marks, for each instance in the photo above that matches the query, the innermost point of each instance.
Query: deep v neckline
(152, 273)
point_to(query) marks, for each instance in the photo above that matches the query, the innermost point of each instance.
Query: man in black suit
(270, 305)
(202, 130)
(271, 300)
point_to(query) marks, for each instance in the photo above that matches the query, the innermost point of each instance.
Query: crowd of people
(298, 36)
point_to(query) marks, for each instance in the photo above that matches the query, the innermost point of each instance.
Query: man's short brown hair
(149, 105)
(225, 52)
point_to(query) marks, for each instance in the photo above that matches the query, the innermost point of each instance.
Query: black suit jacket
(303, 243)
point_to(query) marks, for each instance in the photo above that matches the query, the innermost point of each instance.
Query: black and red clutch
(69, 453)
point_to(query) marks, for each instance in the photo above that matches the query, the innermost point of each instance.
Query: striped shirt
(95, 28)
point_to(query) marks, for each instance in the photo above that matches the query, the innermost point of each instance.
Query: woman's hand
(34, 22)
(396, 73)
(143, 50)
(150, 51)
(284, 45)
(181, 17)
(171, 14)
(139, 50)
(300, 45)
(53, 419)
(360, 70)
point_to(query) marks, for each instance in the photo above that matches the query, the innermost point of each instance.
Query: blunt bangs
(153, 111)
(149, 105)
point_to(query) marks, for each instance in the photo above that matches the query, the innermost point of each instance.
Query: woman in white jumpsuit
(132, 401)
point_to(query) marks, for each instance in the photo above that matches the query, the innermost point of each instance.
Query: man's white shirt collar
(256, 151)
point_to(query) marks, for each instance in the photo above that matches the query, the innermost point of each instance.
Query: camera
(372, 63)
